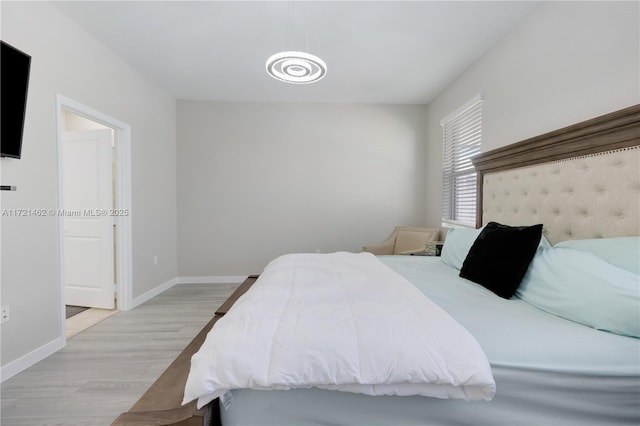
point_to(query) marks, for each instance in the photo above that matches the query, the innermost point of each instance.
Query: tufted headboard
(582, 181)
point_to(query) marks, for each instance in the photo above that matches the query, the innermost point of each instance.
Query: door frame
(122, 154)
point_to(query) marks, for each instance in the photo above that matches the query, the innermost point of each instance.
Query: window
(462, 137)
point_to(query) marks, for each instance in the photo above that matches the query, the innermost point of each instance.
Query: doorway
(94, 218)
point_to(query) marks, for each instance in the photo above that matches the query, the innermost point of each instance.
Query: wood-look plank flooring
(104, 370)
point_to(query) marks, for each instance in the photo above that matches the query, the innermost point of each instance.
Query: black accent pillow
(500, 256)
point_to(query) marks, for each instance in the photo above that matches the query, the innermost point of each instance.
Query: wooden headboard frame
(617, 130)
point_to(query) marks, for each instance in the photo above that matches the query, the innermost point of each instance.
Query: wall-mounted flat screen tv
(14, 84)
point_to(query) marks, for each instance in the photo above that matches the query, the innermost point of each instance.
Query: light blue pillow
(459, 241)
(457, 244)
(623, 252)
(581, 287)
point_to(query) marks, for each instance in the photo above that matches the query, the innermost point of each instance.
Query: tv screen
(14, 82)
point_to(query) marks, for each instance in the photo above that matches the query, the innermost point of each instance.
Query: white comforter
(339, 321)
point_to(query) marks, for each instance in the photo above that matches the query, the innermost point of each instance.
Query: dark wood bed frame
(161, 403)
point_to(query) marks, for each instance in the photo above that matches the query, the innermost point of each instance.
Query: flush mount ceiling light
(296, 67)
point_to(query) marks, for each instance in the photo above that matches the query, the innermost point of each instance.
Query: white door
(88, 226)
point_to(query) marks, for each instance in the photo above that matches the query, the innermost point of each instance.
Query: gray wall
(67, 61)
(256, 180)
(566, 62)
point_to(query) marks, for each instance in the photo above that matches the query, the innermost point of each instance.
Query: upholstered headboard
(582, 181)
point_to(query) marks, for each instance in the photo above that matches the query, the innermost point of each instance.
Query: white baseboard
(215, 279)
(33, 357)
(148, 295)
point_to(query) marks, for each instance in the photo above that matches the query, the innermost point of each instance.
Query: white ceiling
(376, 52)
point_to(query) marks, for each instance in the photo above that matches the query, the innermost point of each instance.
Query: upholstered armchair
(405, 240)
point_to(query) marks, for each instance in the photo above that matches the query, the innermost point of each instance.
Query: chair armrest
(380, 249)
(415, 251)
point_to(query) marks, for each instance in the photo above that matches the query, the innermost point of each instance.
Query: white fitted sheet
(523, 398)
(548, 371)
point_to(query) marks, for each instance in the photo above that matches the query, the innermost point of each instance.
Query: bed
(583, 183)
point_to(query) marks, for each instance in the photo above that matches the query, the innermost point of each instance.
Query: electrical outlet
(4, 314)
(155, 260)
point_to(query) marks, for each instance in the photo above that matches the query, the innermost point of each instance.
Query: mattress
(547, 370)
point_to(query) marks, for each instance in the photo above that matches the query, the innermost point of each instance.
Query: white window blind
(462, 138)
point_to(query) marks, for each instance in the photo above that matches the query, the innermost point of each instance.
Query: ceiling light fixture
(296, 67)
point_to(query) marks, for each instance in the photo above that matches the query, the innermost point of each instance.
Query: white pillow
(457, 244)
(623, 252)
(459, 241)
(581, 287)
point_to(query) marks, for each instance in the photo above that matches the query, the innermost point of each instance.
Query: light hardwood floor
(105, 369)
